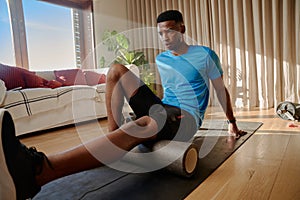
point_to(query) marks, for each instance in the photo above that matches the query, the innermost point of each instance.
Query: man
(185, 72)
(177, 116)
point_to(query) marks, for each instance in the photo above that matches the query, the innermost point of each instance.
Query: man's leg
(120, 83)
(99, 151)
(26, 170)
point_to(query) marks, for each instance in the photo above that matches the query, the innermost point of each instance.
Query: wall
(108, 15)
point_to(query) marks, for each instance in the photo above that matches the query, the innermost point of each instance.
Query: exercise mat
(106, 183)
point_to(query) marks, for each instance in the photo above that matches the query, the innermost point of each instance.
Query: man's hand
(235, 131)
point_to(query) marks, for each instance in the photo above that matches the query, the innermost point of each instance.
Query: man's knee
(144, 121)
(116, 71)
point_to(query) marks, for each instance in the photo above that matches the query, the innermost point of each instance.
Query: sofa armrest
(2, 92)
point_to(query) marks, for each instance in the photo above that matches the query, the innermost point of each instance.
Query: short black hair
(170, 15)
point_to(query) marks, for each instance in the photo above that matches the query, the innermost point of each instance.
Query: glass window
(7, 49)
(50, 38)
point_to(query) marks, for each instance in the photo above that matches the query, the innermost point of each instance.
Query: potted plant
(119, 44)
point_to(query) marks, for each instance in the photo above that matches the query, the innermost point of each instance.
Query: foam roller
(180, 158)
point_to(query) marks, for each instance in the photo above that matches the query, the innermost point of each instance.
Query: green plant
(115, 41)
(119, 44)
(131, 57)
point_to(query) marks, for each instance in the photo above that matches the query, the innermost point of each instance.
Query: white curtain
(257, 42)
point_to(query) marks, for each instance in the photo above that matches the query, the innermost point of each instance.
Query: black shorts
(173, 122)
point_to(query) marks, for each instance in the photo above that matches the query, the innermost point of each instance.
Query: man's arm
(224, 99)
(158, 85)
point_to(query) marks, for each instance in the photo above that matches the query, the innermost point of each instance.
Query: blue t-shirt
(185, 78)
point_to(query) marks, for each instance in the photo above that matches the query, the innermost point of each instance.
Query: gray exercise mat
(106, 183)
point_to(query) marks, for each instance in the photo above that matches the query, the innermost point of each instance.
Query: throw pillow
(2, 91)
(12, 76)
(53, 84)
(94, 78)
(33, 81)
(70, 77)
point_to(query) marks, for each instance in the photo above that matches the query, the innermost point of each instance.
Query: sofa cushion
(70, 77)
(28, 102)
(12, 76)
(94, 78)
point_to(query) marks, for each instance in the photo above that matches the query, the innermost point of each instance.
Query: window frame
(18, 32)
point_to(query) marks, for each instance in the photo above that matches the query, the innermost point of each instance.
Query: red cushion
(53, 84)
(70, 77)
(33, 81)
(12, 76)
(94, 78)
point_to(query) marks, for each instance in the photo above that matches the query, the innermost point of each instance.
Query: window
(50, 38)
(47, 35)
(7, 53)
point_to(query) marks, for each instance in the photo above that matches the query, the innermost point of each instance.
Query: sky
(48, 32)
(6, 53)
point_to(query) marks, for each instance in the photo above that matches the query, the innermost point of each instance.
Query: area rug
(215, 146)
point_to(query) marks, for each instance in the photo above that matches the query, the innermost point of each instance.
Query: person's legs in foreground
(25, 170)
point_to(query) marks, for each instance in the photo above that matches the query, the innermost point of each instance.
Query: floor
(267, 166)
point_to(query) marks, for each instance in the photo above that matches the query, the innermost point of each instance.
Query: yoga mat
(106, 183)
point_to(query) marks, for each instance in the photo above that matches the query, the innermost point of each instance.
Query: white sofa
(36, 109)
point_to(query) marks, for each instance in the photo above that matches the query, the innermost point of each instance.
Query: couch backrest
(49, 75)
